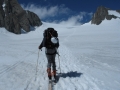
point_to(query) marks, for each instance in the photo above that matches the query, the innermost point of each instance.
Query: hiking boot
(49, 77)
(54, 74)
(49, 73)
(56, 79)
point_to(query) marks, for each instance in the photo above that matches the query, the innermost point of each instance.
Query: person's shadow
(71, 74)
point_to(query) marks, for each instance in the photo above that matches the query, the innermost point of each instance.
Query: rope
(59, 64)
(37, 65)
(59, 60)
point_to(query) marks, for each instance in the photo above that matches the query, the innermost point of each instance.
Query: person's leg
(49, 58)
(54, 65)
(53, 62)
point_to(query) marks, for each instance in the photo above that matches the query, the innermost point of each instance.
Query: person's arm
(57, 45)
(43, 43)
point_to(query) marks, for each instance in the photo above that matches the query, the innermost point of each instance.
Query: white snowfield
(113, 12)
(89, 58)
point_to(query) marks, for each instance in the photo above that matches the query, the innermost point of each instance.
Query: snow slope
(89, 58)
(113, 12)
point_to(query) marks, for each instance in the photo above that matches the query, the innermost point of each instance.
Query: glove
(40, 47)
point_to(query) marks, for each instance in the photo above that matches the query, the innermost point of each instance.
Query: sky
(89, 57)
(79, 11)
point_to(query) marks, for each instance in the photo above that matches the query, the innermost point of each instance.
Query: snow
(89, 58)
(113, 12)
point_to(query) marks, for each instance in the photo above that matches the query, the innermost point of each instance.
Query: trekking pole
(59, 61)
(37, 63)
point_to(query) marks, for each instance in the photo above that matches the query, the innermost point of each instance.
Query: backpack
(48, 34)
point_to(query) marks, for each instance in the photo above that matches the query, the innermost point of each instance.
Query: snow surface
(89, 58)
(113, 12)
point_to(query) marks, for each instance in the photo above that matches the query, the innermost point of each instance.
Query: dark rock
(118, 11)
(14, 18)
(2, 14)
(9, 23)
(100, 15)
(33, 19)
(19, 17)
(23, 21)
(109, 17)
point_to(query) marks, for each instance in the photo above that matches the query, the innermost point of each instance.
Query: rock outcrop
(2, 14)
(33, 19)
(100, 15)
(118, 11)
(14, 18)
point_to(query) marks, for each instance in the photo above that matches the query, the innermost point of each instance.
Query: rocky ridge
(101, 14)
(14, 18)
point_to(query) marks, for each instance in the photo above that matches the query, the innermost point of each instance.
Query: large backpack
(48, 34)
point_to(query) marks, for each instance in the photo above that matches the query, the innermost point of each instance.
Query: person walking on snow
(51, 44)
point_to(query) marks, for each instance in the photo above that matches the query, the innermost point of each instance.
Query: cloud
(76, 19)
(51, 12)
(73, 20)
(86, 14)
(45, 12)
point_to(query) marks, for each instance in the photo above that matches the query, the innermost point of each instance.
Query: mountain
(14, 18)
(102, 13)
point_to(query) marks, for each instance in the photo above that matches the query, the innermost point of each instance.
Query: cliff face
(100, 15)
(118, 11)
(14, 18)
(2, 14)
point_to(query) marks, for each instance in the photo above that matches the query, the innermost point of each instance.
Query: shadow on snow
(71, 74)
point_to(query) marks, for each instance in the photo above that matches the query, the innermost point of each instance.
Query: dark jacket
(48, 44)
(50, 48)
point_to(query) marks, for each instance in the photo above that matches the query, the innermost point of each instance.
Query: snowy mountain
(103, 13)
(89, 58)
(115, 13)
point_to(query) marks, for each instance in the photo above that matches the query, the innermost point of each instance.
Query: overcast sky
(63, 11)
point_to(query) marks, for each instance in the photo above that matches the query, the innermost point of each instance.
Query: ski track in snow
(70, 76)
